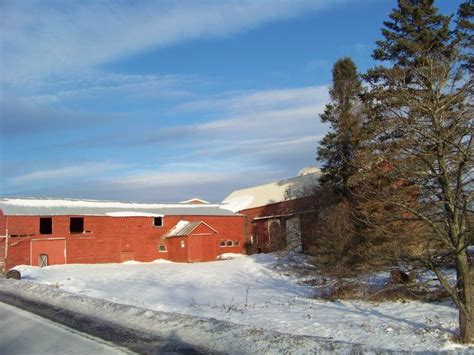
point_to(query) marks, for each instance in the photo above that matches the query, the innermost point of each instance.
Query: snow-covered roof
(195, 201)
(274, 192)
(184, 228)
(53, 207)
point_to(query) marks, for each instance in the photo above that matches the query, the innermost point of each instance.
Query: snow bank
(257, 291)
(217, 336)
(228, 256)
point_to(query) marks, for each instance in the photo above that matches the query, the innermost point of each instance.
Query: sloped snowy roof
(57, 207)
(184, 228)
(274, 192)
(195, 200)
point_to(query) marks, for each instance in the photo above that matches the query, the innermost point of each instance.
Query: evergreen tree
(336, 149)
(421, 140)
(334, 231)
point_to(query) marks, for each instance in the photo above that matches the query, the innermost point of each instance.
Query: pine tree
(421, 135)
(334, 232)
(336, 149)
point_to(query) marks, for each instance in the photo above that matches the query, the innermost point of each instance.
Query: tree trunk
(466, 321)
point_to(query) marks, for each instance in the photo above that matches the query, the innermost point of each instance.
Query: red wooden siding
(267, 236)
(3, 224)
(55, 249)
(116, 239)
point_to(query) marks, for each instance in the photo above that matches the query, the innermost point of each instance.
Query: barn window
(222, 243)
(230, 243)
(236, 243)
(162, 248)
(182, 244)
(158, 222)
(46, 225)
(76, 225)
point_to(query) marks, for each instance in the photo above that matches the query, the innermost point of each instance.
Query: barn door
(45, 252)
(195, 252)
(43, 260)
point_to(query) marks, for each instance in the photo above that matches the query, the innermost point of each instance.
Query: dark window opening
(229, 243)
(162, 248)
(158, 222)
(76, 225)
(236, 243)
(46, 225)
(222, 243)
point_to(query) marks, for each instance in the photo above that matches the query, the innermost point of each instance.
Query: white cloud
(96, 84)
(259, 101)
(261, 136)
(65, 172)
(43, 38)
(164, 179)
(278, 114)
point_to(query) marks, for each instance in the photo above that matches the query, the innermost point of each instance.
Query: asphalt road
(22, 332)
(128, 339)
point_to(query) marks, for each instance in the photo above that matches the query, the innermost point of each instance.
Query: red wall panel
(3, 224)
(55, 249)
(111, 239)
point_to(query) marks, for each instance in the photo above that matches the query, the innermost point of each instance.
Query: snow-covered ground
(257, 291)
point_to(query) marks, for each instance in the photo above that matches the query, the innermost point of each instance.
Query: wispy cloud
(62, 173)
(275, 114)
(21, 115)
(185, 139)
(39, 39)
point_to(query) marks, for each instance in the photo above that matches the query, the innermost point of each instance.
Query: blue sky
(167, 100)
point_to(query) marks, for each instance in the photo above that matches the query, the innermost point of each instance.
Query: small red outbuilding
(198, 241)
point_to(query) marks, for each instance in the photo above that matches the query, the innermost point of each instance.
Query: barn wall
(3, 224)
(260, 228)
(3, 238)
(110, 239)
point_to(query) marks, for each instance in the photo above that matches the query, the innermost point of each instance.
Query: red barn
(52, 231)
(278, 214)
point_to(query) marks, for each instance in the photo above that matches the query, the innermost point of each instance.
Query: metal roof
(58, 207)
(184, 228)
(274, 192)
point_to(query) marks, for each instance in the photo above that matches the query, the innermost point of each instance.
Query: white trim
(274, 216)
(202, 222)
(41, 239)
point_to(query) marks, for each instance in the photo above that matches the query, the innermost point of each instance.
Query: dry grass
(352, 289)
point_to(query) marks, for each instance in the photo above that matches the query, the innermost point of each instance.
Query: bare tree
(415, 169)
